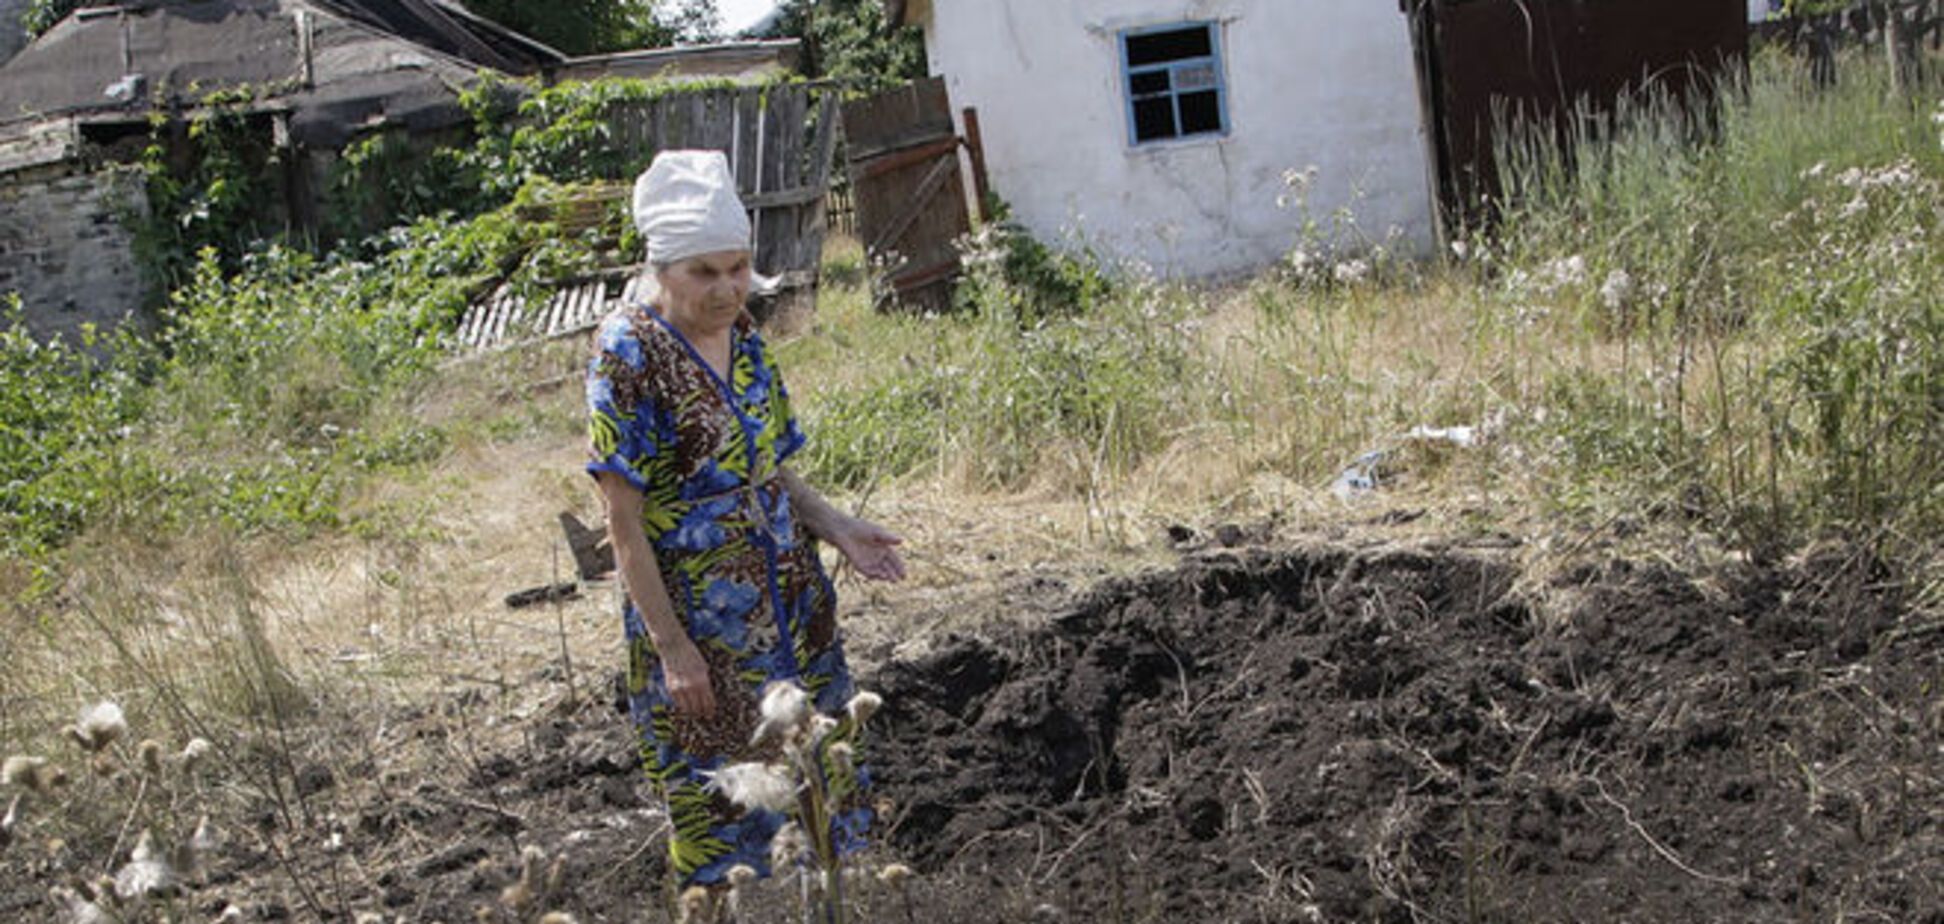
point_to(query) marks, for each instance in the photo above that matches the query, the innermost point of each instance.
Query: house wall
(66, 249)
(12, 35)
(1320, 83)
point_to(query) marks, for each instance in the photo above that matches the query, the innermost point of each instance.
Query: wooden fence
(1904, 29)
(780, 141)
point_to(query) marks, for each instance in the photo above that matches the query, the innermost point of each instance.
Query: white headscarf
(686, 205)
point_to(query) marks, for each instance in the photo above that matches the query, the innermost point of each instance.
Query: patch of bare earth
(1403, 732)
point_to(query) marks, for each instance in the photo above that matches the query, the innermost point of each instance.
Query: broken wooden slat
(920, 200)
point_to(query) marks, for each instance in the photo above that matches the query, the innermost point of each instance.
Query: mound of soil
(1326, 735)
(1305, 736)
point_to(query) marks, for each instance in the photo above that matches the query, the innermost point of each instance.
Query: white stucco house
(1165, 131)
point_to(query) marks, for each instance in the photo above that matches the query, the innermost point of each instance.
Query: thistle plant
(816, 772)
(154, 879)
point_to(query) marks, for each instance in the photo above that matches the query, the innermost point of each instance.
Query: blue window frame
(1173, 78)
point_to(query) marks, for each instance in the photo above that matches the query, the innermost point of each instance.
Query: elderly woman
(715, 537)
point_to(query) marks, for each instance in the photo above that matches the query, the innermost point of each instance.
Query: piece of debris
(548, 593)
(593, 556)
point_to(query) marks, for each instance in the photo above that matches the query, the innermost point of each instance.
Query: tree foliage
(580, 27)
(851, 40)
(41, 15)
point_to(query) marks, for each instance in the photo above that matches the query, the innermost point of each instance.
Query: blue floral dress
(742, 572)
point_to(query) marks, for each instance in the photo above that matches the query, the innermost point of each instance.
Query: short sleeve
(623, 434)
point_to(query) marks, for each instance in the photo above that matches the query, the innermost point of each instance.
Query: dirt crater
(1407, 735)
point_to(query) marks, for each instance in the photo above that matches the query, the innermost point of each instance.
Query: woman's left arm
(872, 549)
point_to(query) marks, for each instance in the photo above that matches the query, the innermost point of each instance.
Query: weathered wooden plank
(557, 308)
(921, 199)
(913, 114)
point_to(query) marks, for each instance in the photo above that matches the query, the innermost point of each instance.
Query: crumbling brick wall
(66, 246)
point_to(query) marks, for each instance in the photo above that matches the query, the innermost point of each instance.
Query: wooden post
(975, 145)
(1893, 45)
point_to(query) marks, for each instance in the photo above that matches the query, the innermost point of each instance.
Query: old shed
(75, 108)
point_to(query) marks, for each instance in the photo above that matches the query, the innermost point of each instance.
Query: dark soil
(1317, 735)
(1399, 736)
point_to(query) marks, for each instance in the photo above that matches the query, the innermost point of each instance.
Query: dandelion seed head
(79, 910)
(695, 904)
(862, 706)
(194, 752)
(23, 771)
(786, 846)
(785, 703)
(754, 785)
(741, 876)
(842, 755)
(784, 708)
(147, 872)
(895, 874)
(103, 724)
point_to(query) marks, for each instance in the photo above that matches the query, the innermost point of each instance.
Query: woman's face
(706, 292)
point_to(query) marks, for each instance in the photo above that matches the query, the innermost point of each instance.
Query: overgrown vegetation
(1743, 335)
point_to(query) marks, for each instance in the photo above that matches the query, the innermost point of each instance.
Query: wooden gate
(909, 194)
(780, 140)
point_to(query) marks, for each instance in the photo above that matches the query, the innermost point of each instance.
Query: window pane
(1201, 112)
(1195, 76)
(1150, 82)
(1154, 118)
(1162, 47)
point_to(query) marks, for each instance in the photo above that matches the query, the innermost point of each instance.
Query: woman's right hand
(687, 676)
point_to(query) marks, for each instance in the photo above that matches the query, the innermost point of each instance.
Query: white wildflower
(1816, 172)
(894, 875)
(102, 724)
(754, 786)
(1618, 290)
(1460, 249)
(1350, 272)
(862, 706)
(1303, 263)
(147, 872)
(1566, 272)
(1855, 207)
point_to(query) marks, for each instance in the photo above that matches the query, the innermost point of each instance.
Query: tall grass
(1774, 293)
(1737, 327)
